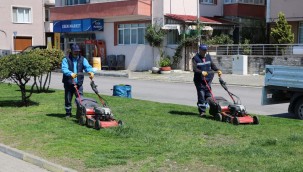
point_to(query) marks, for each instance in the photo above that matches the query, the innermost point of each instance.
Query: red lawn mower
(91, 114)
(225, 111)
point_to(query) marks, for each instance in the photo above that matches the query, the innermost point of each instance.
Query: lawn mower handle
(94, 88)
(223, 84)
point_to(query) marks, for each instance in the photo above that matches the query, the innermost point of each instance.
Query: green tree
(55, 56)
(155, 36)
(222, 39)
(282, 33)
(19, 68)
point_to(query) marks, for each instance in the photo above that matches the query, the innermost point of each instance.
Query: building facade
(248, 17)
(21, 25)
(122, 26)
(293, 14)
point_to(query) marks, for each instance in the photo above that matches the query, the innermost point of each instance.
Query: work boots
(67, 115)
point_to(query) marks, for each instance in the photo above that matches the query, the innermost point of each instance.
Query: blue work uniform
(69, 66)
(203, 92)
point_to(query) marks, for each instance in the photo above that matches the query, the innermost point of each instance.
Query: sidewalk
(186, 77)
(14, 160)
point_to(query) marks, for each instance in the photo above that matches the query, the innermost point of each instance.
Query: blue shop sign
(81, 25)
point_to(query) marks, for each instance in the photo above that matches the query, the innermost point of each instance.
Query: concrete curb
(33, 159)
(112, 74)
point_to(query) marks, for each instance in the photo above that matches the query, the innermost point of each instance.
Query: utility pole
(198, 22)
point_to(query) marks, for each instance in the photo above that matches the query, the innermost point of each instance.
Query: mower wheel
(82, 120)
(227, 119)
(97, 124)
(120, 123)
(256, 120)
(236, 121)
(218, 117)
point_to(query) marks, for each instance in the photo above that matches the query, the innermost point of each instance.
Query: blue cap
(203, 47)
(75, 47)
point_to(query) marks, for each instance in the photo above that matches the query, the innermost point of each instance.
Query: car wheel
(299, 109)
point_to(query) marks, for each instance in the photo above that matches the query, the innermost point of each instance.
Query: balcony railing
(257, 49)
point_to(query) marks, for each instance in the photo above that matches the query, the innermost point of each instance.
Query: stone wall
(256, 64)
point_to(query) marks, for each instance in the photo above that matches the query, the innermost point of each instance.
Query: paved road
(178, 92)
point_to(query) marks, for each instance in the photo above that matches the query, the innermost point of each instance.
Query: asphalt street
(183, 93)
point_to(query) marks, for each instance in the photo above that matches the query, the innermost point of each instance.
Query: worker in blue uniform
(72, 68)
(202, 65)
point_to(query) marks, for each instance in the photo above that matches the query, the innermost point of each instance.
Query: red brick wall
(101, 10)
(245, 10)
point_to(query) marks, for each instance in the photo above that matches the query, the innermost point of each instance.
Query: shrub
(19, 68)
(165, 62)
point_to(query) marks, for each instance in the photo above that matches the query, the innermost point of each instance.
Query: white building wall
(34, 29)
(157, 12)
(211, 10)
(137, 57)
(291, 8)
(162, 7)
(182, 7)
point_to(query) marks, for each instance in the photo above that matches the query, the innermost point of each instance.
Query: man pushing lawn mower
(71, 65)
(220, 108)
(202, 67)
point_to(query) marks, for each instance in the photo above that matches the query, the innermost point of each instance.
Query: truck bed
(284, 76)
(280, 83)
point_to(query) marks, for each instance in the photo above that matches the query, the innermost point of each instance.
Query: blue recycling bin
(122, 91)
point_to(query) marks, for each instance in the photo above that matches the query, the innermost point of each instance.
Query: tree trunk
(43, 83)
(24, 98)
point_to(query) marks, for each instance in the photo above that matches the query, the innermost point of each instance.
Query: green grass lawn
(155, 137)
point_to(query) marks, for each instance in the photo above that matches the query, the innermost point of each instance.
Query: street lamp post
(15, 34)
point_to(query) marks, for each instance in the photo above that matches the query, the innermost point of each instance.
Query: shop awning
(81, 25)
(207, 28)
(172, 27)
(205, 20)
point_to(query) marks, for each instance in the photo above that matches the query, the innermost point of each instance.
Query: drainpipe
(43, 21)
(268, 3)
(152, 12)
(198, 22)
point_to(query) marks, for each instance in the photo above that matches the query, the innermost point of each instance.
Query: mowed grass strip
(155, 137)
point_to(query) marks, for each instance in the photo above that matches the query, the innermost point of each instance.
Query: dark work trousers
(203, 95)
(69, 91)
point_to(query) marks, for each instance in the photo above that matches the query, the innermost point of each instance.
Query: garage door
(22, 42)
